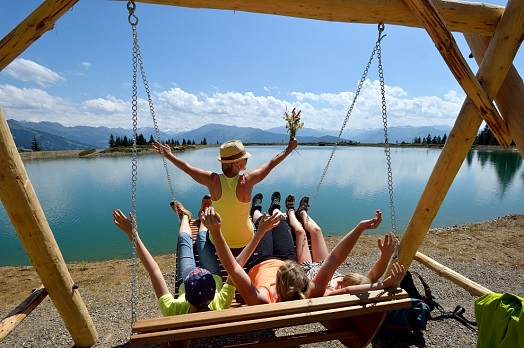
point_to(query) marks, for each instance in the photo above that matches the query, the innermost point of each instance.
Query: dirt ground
(499, 242)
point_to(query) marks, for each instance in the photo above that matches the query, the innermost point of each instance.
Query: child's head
(199, 287)
(292, 282)
(354, 279)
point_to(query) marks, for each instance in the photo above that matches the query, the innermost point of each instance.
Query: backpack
(416, 317)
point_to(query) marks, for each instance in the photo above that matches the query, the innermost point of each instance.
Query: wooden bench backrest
(269, 316)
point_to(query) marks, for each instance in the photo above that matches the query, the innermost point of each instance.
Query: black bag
(408, 284)
(415, 317)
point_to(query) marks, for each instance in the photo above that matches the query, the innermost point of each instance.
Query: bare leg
(301, 245)
(319, 249)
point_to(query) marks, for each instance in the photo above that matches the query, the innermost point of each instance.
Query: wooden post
(28, 219)
(448, 48)
(510, 97)
(460, 138)
(31, 29)
(11, 321)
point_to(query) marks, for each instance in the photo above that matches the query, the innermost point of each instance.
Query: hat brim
(246, 155)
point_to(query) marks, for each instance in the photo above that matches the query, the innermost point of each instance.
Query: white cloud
(176, 108)
(86, 65)
(29, 71)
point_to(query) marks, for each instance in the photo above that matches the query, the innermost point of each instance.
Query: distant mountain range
(54, 136)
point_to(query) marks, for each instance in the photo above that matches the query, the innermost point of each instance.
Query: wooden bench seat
(344, 316)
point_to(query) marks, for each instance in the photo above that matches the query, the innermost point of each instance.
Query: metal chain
(134, 166)
(137, 53)
(357, 92)
(387, 147)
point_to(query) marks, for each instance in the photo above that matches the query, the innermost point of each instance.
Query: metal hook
(381, 28)
(131, 6)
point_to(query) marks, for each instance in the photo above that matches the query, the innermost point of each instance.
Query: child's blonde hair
(355, 279)
(292, 282)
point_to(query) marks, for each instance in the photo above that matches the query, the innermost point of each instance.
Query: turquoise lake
(78, 195)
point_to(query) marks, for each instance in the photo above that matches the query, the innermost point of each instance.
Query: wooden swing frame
(493, 33)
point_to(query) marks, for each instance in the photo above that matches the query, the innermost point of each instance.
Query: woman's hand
(211, 220)
(372, 223)
(122, 222)
(161, 147)
(388, 247)
(394, 279)
(268, 222)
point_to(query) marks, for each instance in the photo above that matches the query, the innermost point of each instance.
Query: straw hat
(232, 151)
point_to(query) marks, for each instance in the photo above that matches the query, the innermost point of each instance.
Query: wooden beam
(448, 48)
(464, 17)
(457, 145)
(510, 97)
(11, 321)
(31, 29)
(28, 219)
(445, 272)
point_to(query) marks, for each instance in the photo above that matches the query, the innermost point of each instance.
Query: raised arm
(236, 272)
(340, 252)
(157, 278)
(386, 251)
(255, 176)
(397, 273)
(201, 176)
(267, 222)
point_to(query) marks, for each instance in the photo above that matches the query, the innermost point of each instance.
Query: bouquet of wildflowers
(293, 122)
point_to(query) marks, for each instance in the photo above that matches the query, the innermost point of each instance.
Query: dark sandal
(256, 203)
(303, 206)
(275, 202)
(204, 204)
(290, 202)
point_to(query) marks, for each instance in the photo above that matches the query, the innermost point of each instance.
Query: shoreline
(36, 155)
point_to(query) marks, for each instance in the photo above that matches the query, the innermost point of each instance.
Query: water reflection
(506, 167)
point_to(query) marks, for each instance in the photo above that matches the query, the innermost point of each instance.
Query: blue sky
(209, 66)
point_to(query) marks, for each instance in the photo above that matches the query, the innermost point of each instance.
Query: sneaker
(303, 206)
(275, 202)
(256, 203)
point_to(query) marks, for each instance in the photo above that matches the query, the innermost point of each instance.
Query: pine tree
(34, 145)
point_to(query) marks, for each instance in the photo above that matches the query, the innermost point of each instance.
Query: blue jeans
(185, 259)
(206, 253)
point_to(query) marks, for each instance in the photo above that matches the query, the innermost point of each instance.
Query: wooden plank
(510, 96)
(448, 48)
(461, 16)
(261, 311)
(25, 212)
(443, 271)
(271, 321)
(13, 319)
(31, 29)
(457, 146)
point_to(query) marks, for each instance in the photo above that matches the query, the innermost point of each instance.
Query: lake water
(77, 195)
